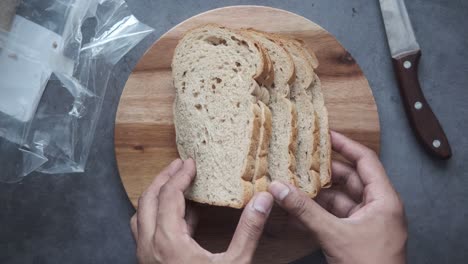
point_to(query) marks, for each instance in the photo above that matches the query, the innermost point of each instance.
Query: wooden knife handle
(425, 124)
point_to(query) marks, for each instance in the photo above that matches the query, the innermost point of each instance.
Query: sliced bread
(324, 132)
(281, 156)
(308, 177)
(316, 95)
(217, 113)
(261, 179)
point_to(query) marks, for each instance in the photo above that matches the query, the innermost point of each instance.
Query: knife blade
(406, 53)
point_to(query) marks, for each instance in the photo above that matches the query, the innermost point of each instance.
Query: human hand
(163, 225)
(361, 221)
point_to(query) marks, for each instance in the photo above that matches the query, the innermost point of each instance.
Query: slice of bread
(308, 177)
(261, 179)
(325, 150)
(217, 113)
(281, 157)
(316, 95)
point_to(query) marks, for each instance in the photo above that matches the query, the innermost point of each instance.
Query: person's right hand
(363, 221)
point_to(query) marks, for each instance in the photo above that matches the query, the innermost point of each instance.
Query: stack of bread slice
(249, 110)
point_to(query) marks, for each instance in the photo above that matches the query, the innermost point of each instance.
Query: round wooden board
(145, 136)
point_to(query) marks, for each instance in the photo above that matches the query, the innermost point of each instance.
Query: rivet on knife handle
(422, 119)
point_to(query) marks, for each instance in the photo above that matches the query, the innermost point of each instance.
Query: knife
(406, 53)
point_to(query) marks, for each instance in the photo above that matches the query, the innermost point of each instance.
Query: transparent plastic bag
(53, 81)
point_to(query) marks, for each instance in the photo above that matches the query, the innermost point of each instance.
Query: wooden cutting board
(145, 136)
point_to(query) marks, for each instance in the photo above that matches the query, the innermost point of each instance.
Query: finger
(148, 202)
(355, 209)
(344, 175)
(164, 176)
(336, 202)
(298, 204)
(134, 226)
(191, 217)
(171, 207)
(250, 227)
(350, 149)
(367, 163)
(296, 223)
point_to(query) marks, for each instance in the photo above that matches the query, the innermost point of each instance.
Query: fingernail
(263, 203)
(279, 190)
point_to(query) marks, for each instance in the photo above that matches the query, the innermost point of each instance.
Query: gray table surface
(83, 218)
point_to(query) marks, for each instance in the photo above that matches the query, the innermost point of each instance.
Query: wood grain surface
(145, 135)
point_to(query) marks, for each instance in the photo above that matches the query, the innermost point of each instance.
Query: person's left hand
(163, 225)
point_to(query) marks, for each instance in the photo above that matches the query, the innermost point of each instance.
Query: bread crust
(325, 140)
(324, 129)
(260, 179)
(313, 171)
(274, 38)
(310, 55)
(280, 95)
(293, 145)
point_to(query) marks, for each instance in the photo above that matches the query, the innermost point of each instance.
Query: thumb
(302, 207)
(250, 228)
